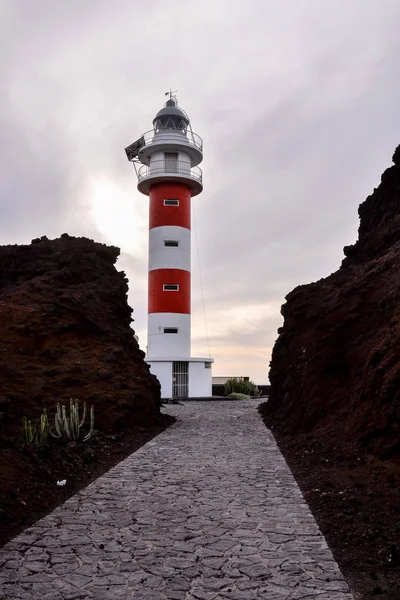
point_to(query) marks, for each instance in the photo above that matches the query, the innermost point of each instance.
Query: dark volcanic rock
(335, 369)
(65, 332)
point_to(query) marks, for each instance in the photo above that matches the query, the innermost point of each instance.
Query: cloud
(297, 103)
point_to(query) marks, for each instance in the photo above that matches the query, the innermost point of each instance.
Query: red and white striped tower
(169, 174)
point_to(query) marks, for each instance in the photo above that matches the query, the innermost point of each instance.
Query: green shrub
(237, 396)
(241, 386)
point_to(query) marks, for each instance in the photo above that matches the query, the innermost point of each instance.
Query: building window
(170, 330)
(171, 202)
(171, 243)
(207, 365)
(171, 287)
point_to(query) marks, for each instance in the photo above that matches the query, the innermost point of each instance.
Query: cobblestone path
(208, 509)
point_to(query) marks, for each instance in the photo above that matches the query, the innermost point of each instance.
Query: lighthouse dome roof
(171, 116)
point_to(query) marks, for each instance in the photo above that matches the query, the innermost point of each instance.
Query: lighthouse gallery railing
(165, 135)
(161, 167)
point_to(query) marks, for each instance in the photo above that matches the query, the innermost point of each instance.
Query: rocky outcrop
(65, 332)
(335, 369)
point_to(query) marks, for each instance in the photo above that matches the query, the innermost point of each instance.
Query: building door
(180, 379)
(171, 162)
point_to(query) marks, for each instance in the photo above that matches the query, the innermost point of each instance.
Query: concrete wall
(163, 372)
(200, 380)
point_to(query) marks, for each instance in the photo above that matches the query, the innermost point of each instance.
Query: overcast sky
(298, 105)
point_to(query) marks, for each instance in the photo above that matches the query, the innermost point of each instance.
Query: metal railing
(172, 135)
(170, 167)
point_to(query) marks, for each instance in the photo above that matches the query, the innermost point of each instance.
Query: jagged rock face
(65, 332)
(335, 367)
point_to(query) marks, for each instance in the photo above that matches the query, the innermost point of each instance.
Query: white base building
(183, 377)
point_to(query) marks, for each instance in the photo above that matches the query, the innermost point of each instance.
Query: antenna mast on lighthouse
(172, 95)
(166, 160)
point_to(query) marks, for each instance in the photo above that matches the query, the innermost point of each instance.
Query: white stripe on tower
(169, 248)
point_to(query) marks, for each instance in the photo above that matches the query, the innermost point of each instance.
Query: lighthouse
(166, 160)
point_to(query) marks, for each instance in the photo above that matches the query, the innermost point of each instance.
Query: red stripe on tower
(163, 297)
(163, 211)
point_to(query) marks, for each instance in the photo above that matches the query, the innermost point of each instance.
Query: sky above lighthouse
(298, 105)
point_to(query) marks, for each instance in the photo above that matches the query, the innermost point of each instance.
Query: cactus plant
(36, 434)
(30, 433)
(71, 426)
(44, 428)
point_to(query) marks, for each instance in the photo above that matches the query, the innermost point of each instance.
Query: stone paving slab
(207, 510)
